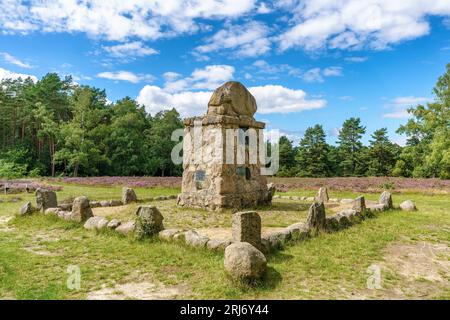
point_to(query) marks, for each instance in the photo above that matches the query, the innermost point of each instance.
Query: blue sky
(306, 62)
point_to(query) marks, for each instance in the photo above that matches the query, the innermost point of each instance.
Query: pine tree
(350, 147)
(312, 154)
(287, 157)
(382, 154)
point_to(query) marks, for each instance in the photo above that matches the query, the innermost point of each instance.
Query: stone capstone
(244, 262)
(232, 99)
(149, 221)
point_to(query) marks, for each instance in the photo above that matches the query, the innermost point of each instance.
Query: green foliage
(350, 147)
(287, 158)
(11, 170)
(382, 154)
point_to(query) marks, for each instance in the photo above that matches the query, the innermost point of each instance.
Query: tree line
(56, 127)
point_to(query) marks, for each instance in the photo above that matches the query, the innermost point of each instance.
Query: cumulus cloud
(356, 59)
(248, 40)
(6, 74)
(209, 77)
(130, 50)
(117, 19)
(125, 76)
(354, 24)
(398, 106)
(270, 99)
(317, 74)
(15, 61)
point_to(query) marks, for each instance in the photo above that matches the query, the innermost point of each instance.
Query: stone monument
(223, 153)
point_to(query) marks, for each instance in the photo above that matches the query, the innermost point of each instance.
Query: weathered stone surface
(316, 216)
(332, 222)
(346, 201)
(65, 206)
(343, 219)
(217, 244)
(81, 210)
(379, 207)
(113, 224)
(94, 204)
(359, 204)
(408, 205)
(53, 211)
(115, 203)
(96, 222)
(270, 191)
(352, 215)
(322, 195)
(168, 234)
(66, 215)
(192, 238)
(26, 209)
(232, 99)
(299, 231)
(45, 199)
(128, 196)
(246, 227)
(386, 199)
(105, 203)
(180, 236)
(333, 200)
(277, 240)
(149, 221)
(244, 262)
(126, 228)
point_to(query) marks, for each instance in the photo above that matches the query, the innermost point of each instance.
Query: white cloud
(15, 61)
(248, 40)
(270, 99)
(355, 24)
(399, 106)
(6, 74)
(332, 72)
(117, 19)
(209, 78)
(263, 8)
(356, 59)
(125, 76)
(130, 50)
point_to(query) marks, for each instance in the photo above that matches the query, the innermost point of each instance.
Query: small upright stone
(128, 196)
(359, 204)
(81, 210)
(270, 191)
(149, 221)
(45, 199)
(26, 209)
(408, 205)
(244, 262)
(386, 200)
(246, 227)
(322, 195)
(316, 216)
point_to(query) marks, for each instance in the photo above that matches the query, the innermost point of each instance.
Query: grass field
(410, 248)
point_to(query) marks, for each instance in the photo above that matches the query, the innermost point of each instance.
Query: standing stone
(149, 221)
(408, 205)
(359, 204)
(244, 262)
(246, 227)
(316, 216)
(322, 195)
(45, 199)
(81, 210)
(128, 196)
(270, 191)
(26, 209)
(386, 200)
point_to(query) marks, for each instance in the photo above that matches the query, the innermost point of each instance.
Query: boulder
(149, 221)
(246, 227)
(26, 209)
(115, 203)
(65, 206)
(96, 222)
(322, 195)
(105, 203)
(81, 209)
(299, 231)
(232, 99)
(53, 211)
(386, 199)
(192, 238)
(408, 205)
(45, 199)
(379, 207)
(128, 196)
(95, 204)
(277, 240)
(218, 244)
(126, 228)
(316, 217)
(359, 204)
(113, 224)
(168, 234)
(244, 262)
